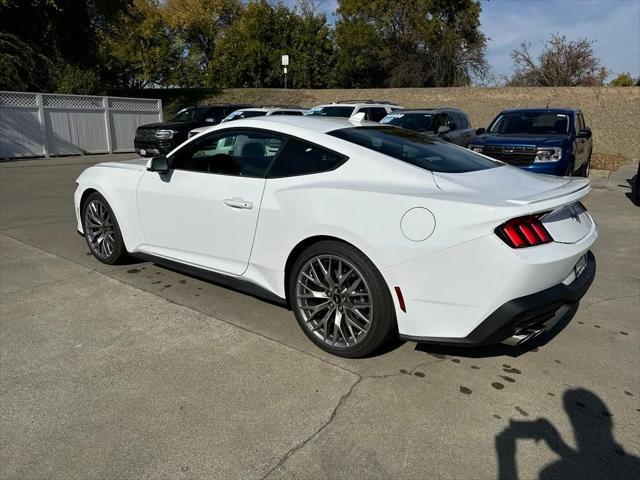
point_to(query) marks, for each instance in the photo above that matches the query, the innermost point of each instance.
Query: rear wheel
(340, 300)
(101, 230)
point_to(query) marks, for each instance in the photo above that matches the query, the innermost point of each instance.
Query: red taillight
(524, 232)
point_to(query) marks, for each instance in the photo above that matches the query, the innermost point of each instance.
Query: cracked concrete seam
(343, 399)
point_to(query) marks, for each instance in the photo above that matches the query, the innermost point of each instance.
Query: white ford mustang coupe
(364, 230)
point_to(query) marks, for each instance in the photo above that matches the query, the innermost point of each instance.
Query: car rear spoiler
(575, 187)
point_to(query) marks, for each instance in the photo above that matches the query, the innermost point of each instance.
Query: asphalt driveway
(137, 371)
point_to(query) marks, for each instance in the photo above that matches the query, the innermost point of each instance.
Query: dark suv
(555, 141)
(449, 124)
(160, 138)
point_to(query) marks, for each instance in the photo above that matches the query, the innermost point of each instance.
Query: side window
(302, 158)
(377, 113)
(579, 122)
(443, 121)
(463, 121)
(366, 112)
(454, 121)
(235, 152)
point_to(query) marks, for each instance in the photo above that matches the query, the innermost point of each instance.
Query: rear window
(426, 152)
(337, 111)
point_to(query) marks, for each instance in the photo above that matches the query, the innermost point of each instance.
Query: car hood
(507, 184)
(170, 125)
(537, 140)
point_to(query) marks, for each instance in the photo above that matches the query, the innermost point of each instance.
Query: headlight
(165, 134)
(547, 155)
(476, 148)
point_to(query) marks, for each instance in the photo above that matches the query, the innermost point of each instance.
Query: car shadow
(499, 350)
(597, 455)
(634, 184)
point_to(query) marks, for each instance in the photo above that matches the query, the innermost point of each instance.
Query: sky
(613, 24)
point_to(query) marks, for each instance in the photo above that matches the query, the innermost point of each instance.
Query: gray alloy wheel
(334, 301)
(101, 230)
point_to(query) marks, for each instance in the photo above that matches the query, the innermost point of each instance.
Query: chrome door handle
(238, 202)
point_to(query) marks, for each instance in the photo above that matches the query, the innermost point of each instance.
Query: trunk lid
(565, 218)
(511, 185)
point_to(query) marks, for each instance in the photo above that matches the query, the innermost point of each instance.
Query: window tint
(239, 153)
(530, 122)
(375, 114)
(420, 122)
(461, 120)
(423, 151)
(301, 158)
(454, 121)
(331, 111)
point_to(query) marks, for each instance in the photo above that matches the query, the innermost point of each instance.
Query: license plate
(580, 265)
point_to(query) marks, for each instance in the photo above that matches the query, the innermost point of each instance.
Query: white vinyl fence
(45, 124)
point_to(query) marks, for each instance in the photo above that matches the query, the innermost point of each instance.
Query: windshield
(191, 114)
(419, 122)
(337, 111)
(425, 152)
(531, 123)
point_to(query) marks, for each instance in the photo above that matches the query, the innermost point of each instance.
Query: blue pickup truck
(547, 140)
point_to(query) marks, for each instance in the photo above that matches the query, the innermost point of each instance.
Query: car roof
(357, 104)
(548, 110)
(315, 124)
(251, 109)
(430, 110)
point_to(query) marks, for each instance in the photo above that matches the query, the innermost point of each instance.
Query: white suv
(372, 109)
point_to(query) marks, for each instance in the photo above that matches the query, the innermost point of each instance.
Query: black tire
(382, 325)
(111, 230)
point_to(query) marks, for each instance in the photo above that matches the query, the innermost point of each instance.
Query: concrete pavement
(137, 371)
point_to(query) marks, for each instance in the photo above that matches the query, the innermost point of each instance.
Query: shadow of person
(597, 455)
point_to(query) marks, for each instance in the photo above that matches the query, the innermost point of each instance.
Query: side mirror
(584, 133)
(480, 131)
(443, 129)
(158, 164)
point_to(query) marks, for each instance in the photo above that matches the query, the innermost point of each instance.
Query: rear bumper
(538, 311)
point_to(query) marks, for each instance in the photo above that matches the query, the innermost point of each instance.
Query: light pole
(285, 64)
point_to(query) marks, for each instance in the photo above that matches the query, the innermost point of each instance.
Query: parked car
(159, 138)
(450, 124)
(363, 230)
(555, 141)
(373, 110)
(255, 112)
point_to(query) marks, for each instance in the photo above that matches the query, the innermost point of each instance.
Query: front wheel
(101, 230)
(340, 300)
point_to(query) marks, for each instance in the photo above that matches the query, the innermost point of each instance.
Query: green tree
(64, 32)
(143, 50)
(21, 68)
(201, 27)
(623, 80)
(311, 50)
(251, 52)
(403, 43)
